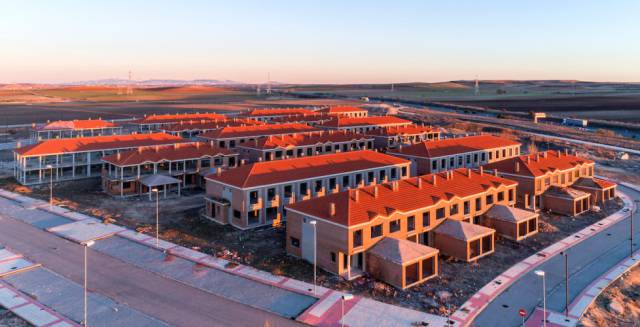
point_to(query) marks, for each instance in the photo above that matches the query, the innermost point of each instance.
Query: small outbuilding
(512, 223)
(464, 241)
(164, 184)
(566, 200)
(402, 263)
(599, 189)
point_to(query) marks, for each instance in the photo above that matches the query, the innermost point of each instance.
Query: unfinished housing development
(364, 124)
(156, 122)
(271, 113)
(462, 152)
(303, 145)
(254, 195)
(418, 214)
(75, 128)
(393, 137)
(192, 128)
(555, 181)
(170, 168)
(76, 158)
(344, 111)
(232, 136)
(310, 119)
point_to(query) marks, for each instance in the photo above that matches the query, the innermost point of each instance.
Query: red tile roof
(282, 171)
(446, 147)
(189, 125)
(258, 130)
(538, 164)
(409, 194)
(320, 138)
(279, 112)
(96, 143)
(403, 130)
(159, 153)
(366, 121)
(174, 118)
(401, 251)
(593, 183)
(76, 125)
(462, 230)
(341, 109)
(312, 118)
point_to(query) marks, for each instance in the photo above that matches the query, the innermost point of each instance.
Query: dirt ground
(8, 319)
(180, 222)
(618, 305)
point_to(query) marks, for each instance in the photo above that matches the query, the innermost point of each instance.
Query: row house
(393, 137)
(233, 136)
(303, 145)
(461, 152)
(310, 119)
(75, 128)
(255, 194)
(156, 122)
(366, 230)
(77, 158)
(555, 181)
(192, 128)
(269, 114)
(364, 124)
(170, 168)
(345, 111)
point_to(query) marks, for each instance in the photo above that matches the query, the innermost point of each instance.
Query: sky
(324, 41)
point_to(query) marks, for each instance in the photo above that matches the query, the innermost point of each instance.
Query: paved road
(165, 299)
(588, 260)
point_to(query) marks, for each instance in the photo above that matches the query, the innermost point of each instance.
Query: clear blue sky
(320, 41)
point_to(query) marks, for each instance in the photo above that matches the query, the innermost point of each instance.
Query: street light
(50, 167)
(345, 297)
(86, 245)
(544, 297)
(155, 190)
(315, 245)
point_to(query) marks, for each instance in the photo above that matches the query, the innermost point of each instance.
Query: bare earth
(618, 305)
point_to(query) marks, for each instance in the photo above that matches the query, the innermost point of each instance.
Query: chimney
(434, 179)
(219, 171)
(517, 167)
(469, 172)
(537, 157)
(118, 155)
(243, 162)
(394, 185)
(481, 170)
(419, 182)
(544, 154)
(356, 196)
(332, 209)
(375, 192)
(495, 172)
(566, 152)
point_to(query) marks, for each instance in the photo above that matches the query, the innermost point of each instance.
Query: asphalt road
(587, 260)
(170, 301)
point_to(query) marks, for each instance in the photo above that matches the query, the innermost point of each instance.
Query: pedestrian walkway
(259, 289)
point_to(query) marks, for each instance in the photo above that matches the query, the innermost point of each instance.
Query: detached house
(75, 128)
(232, 136)
(364, 124)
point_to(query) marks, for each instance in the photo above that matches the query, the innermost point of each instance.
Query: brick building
(127, 173)
(193, 128)
(351, 224)
(156, 122)
(364, 124)
(303, 145)
(345, 112)
(232, 136)
(254, 195)
(269, 114)
(77, 158)
(75, 128)
(461, 152)
(309, 119)
(393, 137)
(546, 181)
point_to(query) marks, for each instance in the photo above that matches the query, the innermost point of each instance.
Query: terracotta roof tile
(366, 121)
(96, 143)
(593, 183)
(401, 251)
(281, 171)
(188, 125)
(76, 124)
(509, 214)
(341, 109)
(446, 147)
(410, 194)
(538, 164)
(174, 118)
(287, 141)
(258, 131)
(310, 118)
(279, 112)
(159, 153)
(462, 230)
(403, 130)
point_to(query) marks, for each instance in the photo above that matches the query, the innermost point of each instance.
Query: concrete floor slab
(9, 298)
(15, 266)
(39, 218)
(86, 230)
(34, 314)
(6, 255)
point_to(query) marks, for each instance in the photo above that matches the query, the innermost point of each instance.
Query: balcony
(273, 202)
(255, 205)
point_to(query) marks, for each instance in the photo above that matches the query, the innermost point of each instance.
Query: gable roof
(76, 124)
(355, 207)
(447, 147)
(538, 164)
(565, 192)
(189, 125)
(278, 112)
(159, 153)
(341, 109)
(97, 143)
(365, 121)
(174, 118)
(461, 230)
(258, 130)
(509, 214)
(400, 251)
(281, 171)
(593, 183)
(310, 118)
(402, 130)
(287, 141)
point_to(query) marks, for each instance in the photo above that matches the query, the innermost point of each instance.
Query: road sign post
(522, 313)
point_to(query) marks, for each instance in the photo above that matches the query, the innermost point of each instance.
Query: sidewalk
(466, 314)
(282, 295)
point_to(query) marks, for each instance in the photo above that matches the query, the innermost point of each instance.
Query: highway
(587, 261)
(165, 299)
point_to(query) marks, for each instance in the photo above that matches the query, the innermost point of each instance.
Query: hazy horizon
(320, 43)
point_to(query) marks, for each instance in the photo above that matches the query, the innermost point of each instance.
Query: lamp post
(157, 192)
(50, 167)
(315, 245)
(544, 297)
(86, 246)
(345, 297)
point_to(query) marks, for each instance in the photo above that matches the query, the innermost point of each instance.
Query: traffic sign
(522, 312)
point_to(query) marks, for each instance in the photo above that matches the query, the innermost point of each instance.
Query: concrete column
(73, 165)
